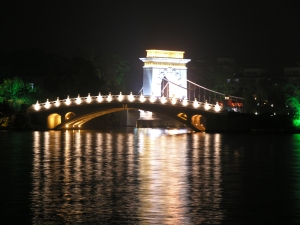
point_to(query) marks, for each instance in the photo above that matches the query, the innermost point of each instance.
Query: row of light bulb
(130, 98)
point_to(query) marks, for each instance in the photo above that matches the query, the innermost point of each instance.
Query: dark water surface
(149, 176)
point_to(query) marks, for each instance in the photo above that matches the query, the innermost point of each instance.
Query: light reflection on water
(139, 176)
(149, 176)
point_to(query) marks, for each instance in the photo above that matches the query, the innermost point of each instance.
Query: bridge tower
(165, 73)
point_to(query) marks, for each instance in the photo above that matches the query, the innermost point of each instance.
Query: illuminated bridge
(165, 91)
(73, 113)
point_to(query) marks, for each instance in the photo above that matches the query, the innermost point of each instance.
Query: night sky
(264, 31)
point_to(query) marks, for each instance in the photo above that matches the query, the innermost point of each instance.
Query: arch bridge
(73, 113)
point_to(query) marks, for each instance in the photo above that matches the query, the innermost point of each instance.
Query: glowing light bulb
(37, 106)
(57, 103)
(99, 98)
(152, 99)
(174, 100)
(47, 105)
(142, 98)
(206, 106)
(217, 107)
(184, 102)
(163, 99)
(68, 102)
(120, 98)
(88, 99)
(78, 100)
(130, 97)
(109, 98)
(196, 104)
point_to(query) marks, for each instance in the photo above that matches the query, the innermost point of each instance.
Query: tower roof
(153, 53)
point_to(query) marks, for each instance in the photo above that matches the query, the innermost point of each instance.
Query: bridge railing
(205, 94)
(171, 101)
(202, 94)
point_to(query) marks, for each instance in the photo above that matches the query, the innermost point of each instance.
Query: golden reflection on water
(146, 176)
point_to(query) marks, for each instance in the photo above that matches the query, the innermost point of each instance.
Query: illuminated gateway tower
(162, 66)
(164, 74)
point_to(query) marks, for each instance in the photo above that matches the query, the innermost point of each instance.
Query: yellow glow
(37, 106)
(78, 100)
(130, 97)
(184, 102)
(152, 99)
(182, 116)
(196, 104)
(109, 98)
(120, 97)
(67, 125)
(47, 105)
(69, 115)
(142, 98)
(165, 64)
(99, 98)
(174, 101)
(57, 103)
(53, 120)
(88, 99)
(163, 99)
(68, 102)
(164, 54)
(217, 107)
(206, 106)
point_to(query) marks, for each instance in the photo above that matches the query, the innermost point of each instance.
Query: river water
(149, 176)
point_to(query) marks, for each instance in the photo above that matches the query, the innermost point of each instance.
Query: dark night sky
(263, 30)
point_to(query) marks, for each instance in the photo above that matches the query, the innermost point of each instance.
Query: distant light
(88, 99)
(206, 106)
(120, 98)
(184, 102)
(78, 100)
(68, 102)
(217, 107)
(142, 98)
(174, 100)
(47, 105)
(99, 98)
(37, 106)
(109, 98)
(130, 97)
(152, 99)
(163, 99)
(57, 103)
(196, 104)
(255, 113)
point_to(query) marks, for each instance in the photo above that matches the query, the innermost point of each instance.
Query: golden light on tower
(153, 53)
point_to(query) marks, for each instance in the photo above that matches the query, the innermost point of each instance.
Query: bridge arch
(197, 122)
(69, 115)
(53, 120)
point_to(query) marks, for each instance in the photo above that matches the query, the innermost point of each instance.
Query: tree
(86, 73)
(112, 71)
(293, 101)
(16, 92)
